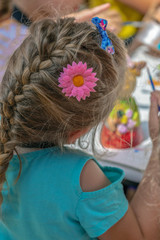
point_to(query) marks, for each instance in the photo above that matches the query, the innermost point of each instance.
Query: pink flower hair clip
(77, 81)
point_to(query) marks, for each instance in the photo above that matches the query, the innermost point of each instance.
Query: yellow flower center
(78, 81)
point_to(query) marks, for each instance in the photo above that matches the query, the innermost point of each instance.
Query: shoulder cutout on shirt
(92, 177)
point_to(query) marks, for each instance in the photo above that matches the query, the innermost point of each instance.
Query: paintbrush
(152, 83)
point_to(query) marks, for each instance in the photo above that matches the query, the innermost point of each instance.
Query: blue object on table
(150, 79)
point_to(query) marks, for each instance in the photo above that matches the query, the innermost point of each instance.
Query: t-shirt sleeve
(99, 210)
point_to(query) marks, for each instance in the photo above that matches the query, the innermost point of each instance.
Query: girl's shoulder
(73, 166)
(69, 159)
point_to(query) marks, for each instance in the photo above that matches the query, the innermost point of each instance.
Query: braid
(6, 147)
(9, 99)
(36, 65)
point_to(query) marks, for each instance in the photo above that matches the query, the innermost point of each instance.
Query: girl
(58, 85)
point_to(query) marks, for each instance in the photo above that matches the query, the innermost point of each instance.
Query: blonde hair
(33, 107)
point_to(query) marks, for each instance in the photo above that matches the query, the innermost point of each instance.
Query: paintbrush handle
(150, 79)
(152, 84)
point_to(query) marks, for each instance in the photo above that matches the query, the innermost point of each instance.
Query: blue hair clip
(101, 25)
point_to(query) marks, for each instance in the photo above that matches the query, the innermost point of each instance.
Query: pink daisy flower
(77, 81)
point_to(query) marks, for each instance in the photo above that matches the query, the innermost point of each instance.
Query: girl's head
(33, 107)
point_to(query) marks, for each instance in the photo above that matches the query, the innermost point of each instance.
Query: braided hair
(33, 107)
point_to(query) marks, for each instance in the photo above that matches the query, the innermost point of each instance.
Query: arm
(146, 201)
(141, 6)
(88, 14)
(31, 8)
(141, 222)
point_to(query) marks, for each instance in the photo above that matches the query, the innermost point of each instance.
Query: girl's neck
(31, 147)
(22, 150)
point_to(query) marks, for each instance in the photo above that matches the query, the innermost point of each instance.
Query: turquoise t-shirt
(47, 202)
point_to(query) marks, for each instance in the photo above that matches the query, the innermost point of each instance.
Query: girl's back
(39, 205)
(47, 202)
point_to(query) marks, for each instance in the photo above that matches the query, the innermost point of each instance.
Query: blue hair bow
(101, 25)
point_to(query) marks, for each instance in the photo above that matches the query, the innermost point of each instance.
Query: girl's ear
(77, 134)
